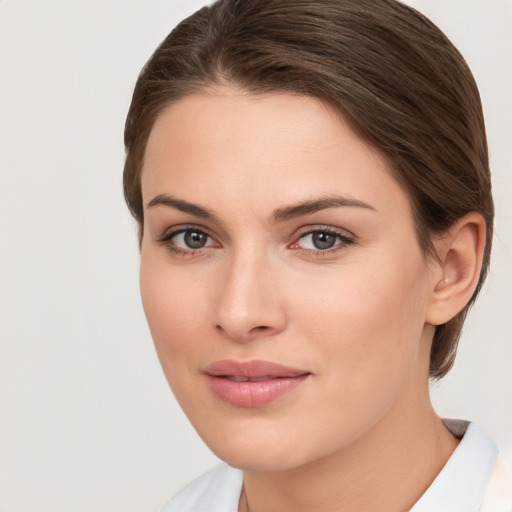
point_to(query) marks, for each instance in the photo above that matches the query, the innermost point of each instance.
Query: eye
(321, 240)
(188, 239)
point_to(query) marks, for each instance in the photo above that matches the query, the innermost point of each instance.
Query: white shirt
(471, 481)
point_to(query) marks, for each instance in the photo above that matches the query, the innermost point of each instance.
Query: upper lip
(254, 368)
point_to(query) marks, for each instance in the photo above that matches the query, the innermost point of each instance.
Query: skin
(357, 316)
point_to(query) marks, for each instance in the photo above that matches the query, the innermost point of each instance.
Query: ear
(460, 251)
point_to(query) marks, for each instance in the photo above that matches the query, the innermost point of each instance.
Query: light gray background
(86, 420)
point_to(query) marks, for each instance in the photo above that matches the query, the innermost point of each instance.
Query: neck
(397, 460)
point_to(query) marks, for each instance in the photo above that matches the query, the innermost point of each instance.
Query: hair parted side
(386, 68)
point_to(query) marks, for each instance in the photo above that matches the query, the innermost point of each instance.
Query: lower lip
(254, 394)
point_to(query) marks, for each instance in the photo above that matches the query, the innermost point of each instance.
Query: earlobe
(460, 252)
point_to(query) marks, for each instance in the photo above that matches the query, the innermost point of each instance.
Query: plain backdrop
(87, 423)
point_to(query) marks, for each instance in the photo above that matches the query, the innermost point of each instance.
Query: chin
(262, 446)
(251, 444)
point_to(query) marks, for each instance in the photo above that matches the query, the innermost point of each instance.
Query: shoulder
(498, 497)
(217, 490)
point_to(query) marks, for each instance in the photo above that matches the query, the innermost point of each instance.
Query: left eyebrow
(315, 205)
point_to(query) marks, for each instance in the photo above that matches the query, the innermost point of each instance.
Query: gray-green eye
(195, 239)
(192, 239)
(321, 240)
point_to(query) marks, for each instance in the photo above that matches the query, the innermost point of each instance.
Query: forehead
(277, 146)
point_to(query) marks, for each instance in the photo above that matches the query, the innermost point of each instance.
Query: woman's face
(281, 278)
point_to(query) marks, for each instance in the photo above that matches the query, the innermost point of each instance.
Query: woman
(312, 189)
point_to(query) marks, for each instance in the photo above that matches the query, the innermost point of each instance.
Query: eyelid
(315, 228)
(180, 228)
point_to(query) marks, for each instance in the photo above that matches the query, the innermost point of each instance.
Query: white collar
(461, 484)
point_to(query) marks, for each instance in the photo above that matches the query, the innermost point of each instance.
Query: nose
(249, 304)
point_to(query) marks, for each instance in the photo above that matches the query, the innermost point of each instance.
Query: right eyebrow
(182, 206)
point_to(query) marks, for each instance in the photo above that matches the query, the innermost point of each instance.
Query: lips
(254, 383)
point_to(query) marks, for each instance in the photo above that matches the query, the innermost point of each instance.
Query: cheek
(174, 310)
(175, 317)
(365, 332)
(368, 322)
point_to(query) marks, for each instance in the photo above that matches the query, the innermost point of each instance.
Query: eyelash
(342, 241)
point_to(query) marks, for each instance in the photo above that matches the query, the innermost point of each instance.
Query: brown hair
(389, 70)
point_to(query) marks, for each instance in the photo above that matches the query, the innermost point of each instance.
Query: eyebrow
(182, 206)
(316, 205)
(278, 215)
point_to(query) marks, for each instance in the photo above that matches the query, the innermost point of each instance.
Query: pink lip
(252, 383)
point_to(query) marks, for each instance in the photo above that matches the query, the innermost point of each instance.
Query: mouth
(254, 383)
(240, 378)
